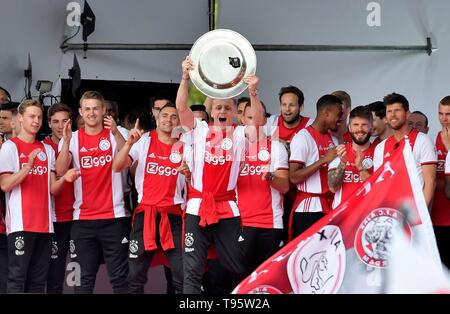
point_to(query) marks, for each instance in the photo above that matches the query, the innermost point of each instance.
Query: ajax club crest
(175, 157)
(373, 240)
(263, 155)
(104, 144)
(317, 266)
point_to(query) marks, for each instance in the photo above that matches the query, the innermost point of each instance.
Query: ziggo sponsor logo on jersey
(350, 177)
(254, 170)
(88, 162)
(216, 160)
(155, 168)
(37, 170)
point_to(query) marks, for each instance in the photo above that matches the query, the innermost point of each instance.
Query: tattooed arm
(335, 177)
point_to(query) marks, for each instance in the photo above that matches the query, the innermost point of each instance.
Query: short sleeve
(71, 145)
(51, 157)
(378, 156)
(139, 146)
(427, 150)
(7, 163)
(279, 157)
(299, 148)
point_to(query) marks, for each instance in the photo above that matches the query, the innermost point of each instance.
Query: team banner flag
(349, 250)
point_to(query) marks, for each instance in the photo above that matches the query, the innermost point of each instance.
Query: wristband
(253, 93)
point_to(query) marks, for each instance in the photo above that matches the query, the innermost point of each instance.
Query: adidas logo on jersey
(22, 155)
(83, 150)
(124, 240)
(152, 155)
(240, 239)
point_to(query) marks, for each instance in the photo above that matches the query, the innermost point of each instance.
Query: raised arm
(122, 159)
(186, 116)
(336, 175)
(111, 124)
(256, 108)
(64, 158)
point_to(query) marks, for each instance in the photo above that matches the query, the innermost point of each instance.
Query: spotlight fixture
(44, 86)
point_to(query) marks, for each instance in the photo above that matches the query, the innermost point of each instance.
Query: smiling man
(290, 121)
(27, 174)
(354, 163)
(397, 113)
(100, 223)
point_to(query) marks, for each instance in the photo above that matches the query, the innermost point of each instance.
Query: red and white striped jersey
(260, 205)
(276, 129)
(158, 182)
(352, 179)
(214, 158)
(63, 202)
(307, 147)
(440, 213)
(98, 191)
(423, 150)
(28, 205)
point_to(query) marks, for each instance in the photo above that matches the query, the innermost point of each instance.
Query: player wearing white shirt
(312, 149)
(27, 175)
(213, 156)
(397, 111)
(101, 222)
(265, 174)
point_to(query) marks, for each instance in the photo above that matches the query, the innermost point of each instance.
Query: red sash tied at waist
(207, 210)
(165, 231)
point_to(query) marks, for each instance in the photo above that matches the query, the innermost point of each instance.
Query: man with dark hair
(289, 122)
(4, 96)
(381, 128)
(419, 121)
(58, 115)
(8, 112)
(312, 149)
(440, 213)
(241, 103)
(342, 134)
(397, 112)
(199, 112)
(157, 222)
(354, 163)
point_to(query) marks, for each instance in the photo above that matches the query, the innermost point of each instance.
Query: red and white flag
(348, 250)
